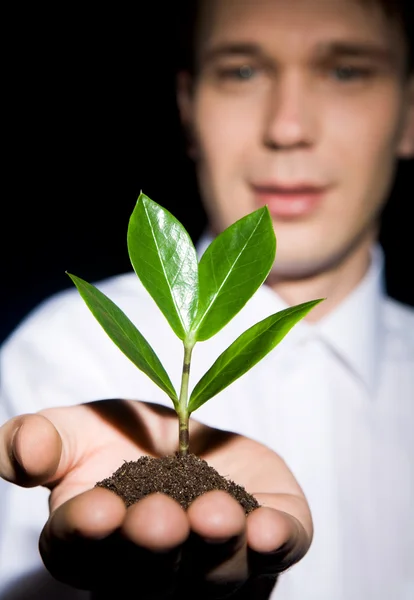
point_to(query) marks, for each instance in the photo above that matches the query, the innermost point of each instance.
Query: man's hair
(400, 12)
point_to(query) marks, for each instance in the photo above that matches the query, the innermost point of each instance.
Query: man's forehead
(294, 22)
(300, 30)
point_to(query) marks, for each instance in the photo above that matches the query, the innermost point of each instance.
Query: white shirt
(335, 399)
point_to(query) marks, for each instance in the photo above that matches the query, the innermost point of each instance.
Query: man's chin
(298, 269)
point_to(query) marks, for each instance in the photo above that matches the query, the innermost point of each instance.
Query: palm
(107, 434)
(74, 447)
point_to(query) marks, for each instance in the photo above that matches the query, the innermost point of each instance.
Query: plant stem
(183, 416)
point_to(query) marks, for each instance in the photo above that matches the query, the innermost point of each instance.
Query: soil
(184, 478)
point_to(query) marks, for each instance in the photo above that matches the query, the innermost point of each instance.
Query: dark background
(89, 120)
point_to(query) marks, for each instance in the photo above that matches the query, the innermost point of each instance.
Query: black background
(89, 120)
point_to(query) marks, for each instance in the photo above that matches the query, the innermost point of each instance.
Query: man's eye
(242, 73)
(348, 73)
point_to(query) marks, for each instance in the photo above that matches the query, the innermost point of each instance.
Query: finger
(30, 450)
(276, 540)
(93, 514)
(216, 517)
(154, 529)
(93, 542)
(216, 559)
(157, 523)
(76, 539)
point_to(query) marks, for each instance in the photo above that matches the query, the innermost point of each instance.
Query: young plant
(198, 298)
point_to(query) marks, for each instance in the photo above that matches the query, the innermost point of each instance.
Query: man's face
(301, 105)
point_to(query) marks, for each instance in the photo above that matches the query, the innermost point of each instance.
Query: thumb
(30, 450)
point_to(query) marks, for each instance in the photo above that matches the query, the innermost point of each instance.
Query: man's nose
(288, 120)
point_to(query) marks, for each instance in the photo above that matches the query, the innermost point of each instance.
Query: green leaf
(125, 335)
(165, 260)
(247, 350)
(232, 268)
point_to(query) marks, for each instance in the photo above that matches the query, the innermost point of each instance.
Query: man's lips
(289, 200)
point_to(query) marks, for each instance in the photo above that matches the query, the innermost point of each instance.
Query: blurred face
(302, 105)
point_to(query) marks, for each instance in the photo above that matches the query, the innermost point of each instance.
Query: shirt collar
(352, 330)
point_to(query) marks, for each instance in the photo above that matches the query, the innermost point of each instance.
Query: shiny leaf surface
(247, 350)
(232, 268)
(125, 335)
(165, 260)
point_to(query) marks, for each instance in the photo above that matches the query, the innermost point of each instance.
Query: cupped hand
(92, 541)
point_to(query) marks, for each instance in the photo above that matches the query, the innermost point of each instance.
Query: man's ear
(406, 145)
(184, 90)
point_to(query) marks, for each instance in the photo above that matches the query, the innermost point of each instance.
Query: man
(306, 106)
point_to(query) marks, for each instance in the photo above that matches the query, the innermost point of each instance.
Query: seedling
(198, 298)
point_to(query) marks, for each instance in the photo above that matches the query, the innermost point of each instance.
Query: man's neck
(334, 284)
